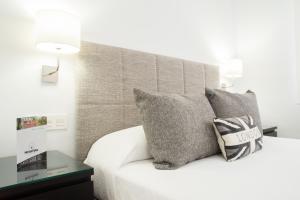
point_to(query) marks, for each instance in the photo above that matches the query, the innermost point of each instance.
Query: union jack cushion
(237, 137)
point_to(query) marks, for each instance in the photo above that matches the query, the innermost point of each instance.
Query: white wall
(200, 30)
(22, 92)
(193, 29)
(297, 42)
(265, 32)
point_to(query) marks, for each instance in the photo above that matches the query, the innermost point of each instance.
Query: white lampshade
(57, 32)
(232, 68)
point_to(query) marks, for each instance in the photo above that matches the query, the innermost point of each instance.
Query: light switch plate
(57, 122)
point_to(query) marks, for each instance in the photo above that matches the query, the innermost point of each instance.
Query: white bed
(122, 164)
(128, 173)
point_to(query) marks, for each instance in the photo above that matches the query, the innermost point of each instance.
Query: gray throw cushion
(178, 128)
(226, 105)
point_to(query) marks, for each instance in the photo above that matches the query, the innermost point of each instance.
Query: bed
(105, 104)
(268, 174)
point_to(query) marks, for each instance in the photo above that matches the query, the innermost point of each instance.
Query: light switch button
(57, 122)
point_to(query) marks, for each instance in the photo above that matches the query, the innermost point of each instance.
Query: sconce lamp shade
(232, 68)
(57, 32)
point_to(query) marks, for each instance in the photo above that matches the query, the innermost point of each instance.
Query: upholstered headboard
(106, 77)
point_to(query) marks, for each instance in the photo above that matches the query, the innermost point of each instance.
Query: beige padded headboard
(106, 77)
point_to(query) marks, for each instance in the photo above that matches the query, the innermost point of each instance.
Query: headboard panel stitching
(184, 77)
(204, 77)
(157, 74)
(123, 88)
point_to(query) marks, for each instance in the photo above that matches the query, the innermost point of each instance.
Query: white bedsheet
(271, 174)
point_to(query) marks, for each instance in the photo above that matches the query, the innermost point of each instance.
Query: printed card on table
(31, 143)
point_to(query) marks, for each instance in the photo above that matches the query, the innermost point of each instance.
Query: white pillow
(110, 153)
(119, 148)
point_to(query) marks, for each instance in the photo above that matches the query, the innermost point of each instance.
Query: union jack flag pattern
(237, 137)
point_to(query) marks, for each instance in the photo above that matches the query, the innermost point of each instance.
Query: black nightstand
(64, 178)
(270, 131)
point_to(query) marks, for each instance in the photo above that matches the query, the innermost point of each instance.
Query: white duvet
(271, 174)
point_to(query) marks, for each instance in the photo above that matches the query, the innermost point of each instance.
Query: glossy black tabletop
(58, 164)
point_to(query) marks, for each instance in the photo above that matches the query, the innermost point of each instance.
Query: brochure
(31, 143)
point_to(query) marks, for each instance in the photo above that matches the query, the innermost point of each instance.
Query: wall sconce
(57, 32)
(230, 70)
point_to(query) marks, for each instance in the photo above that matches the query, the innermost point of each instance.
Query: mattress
(273, 173)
